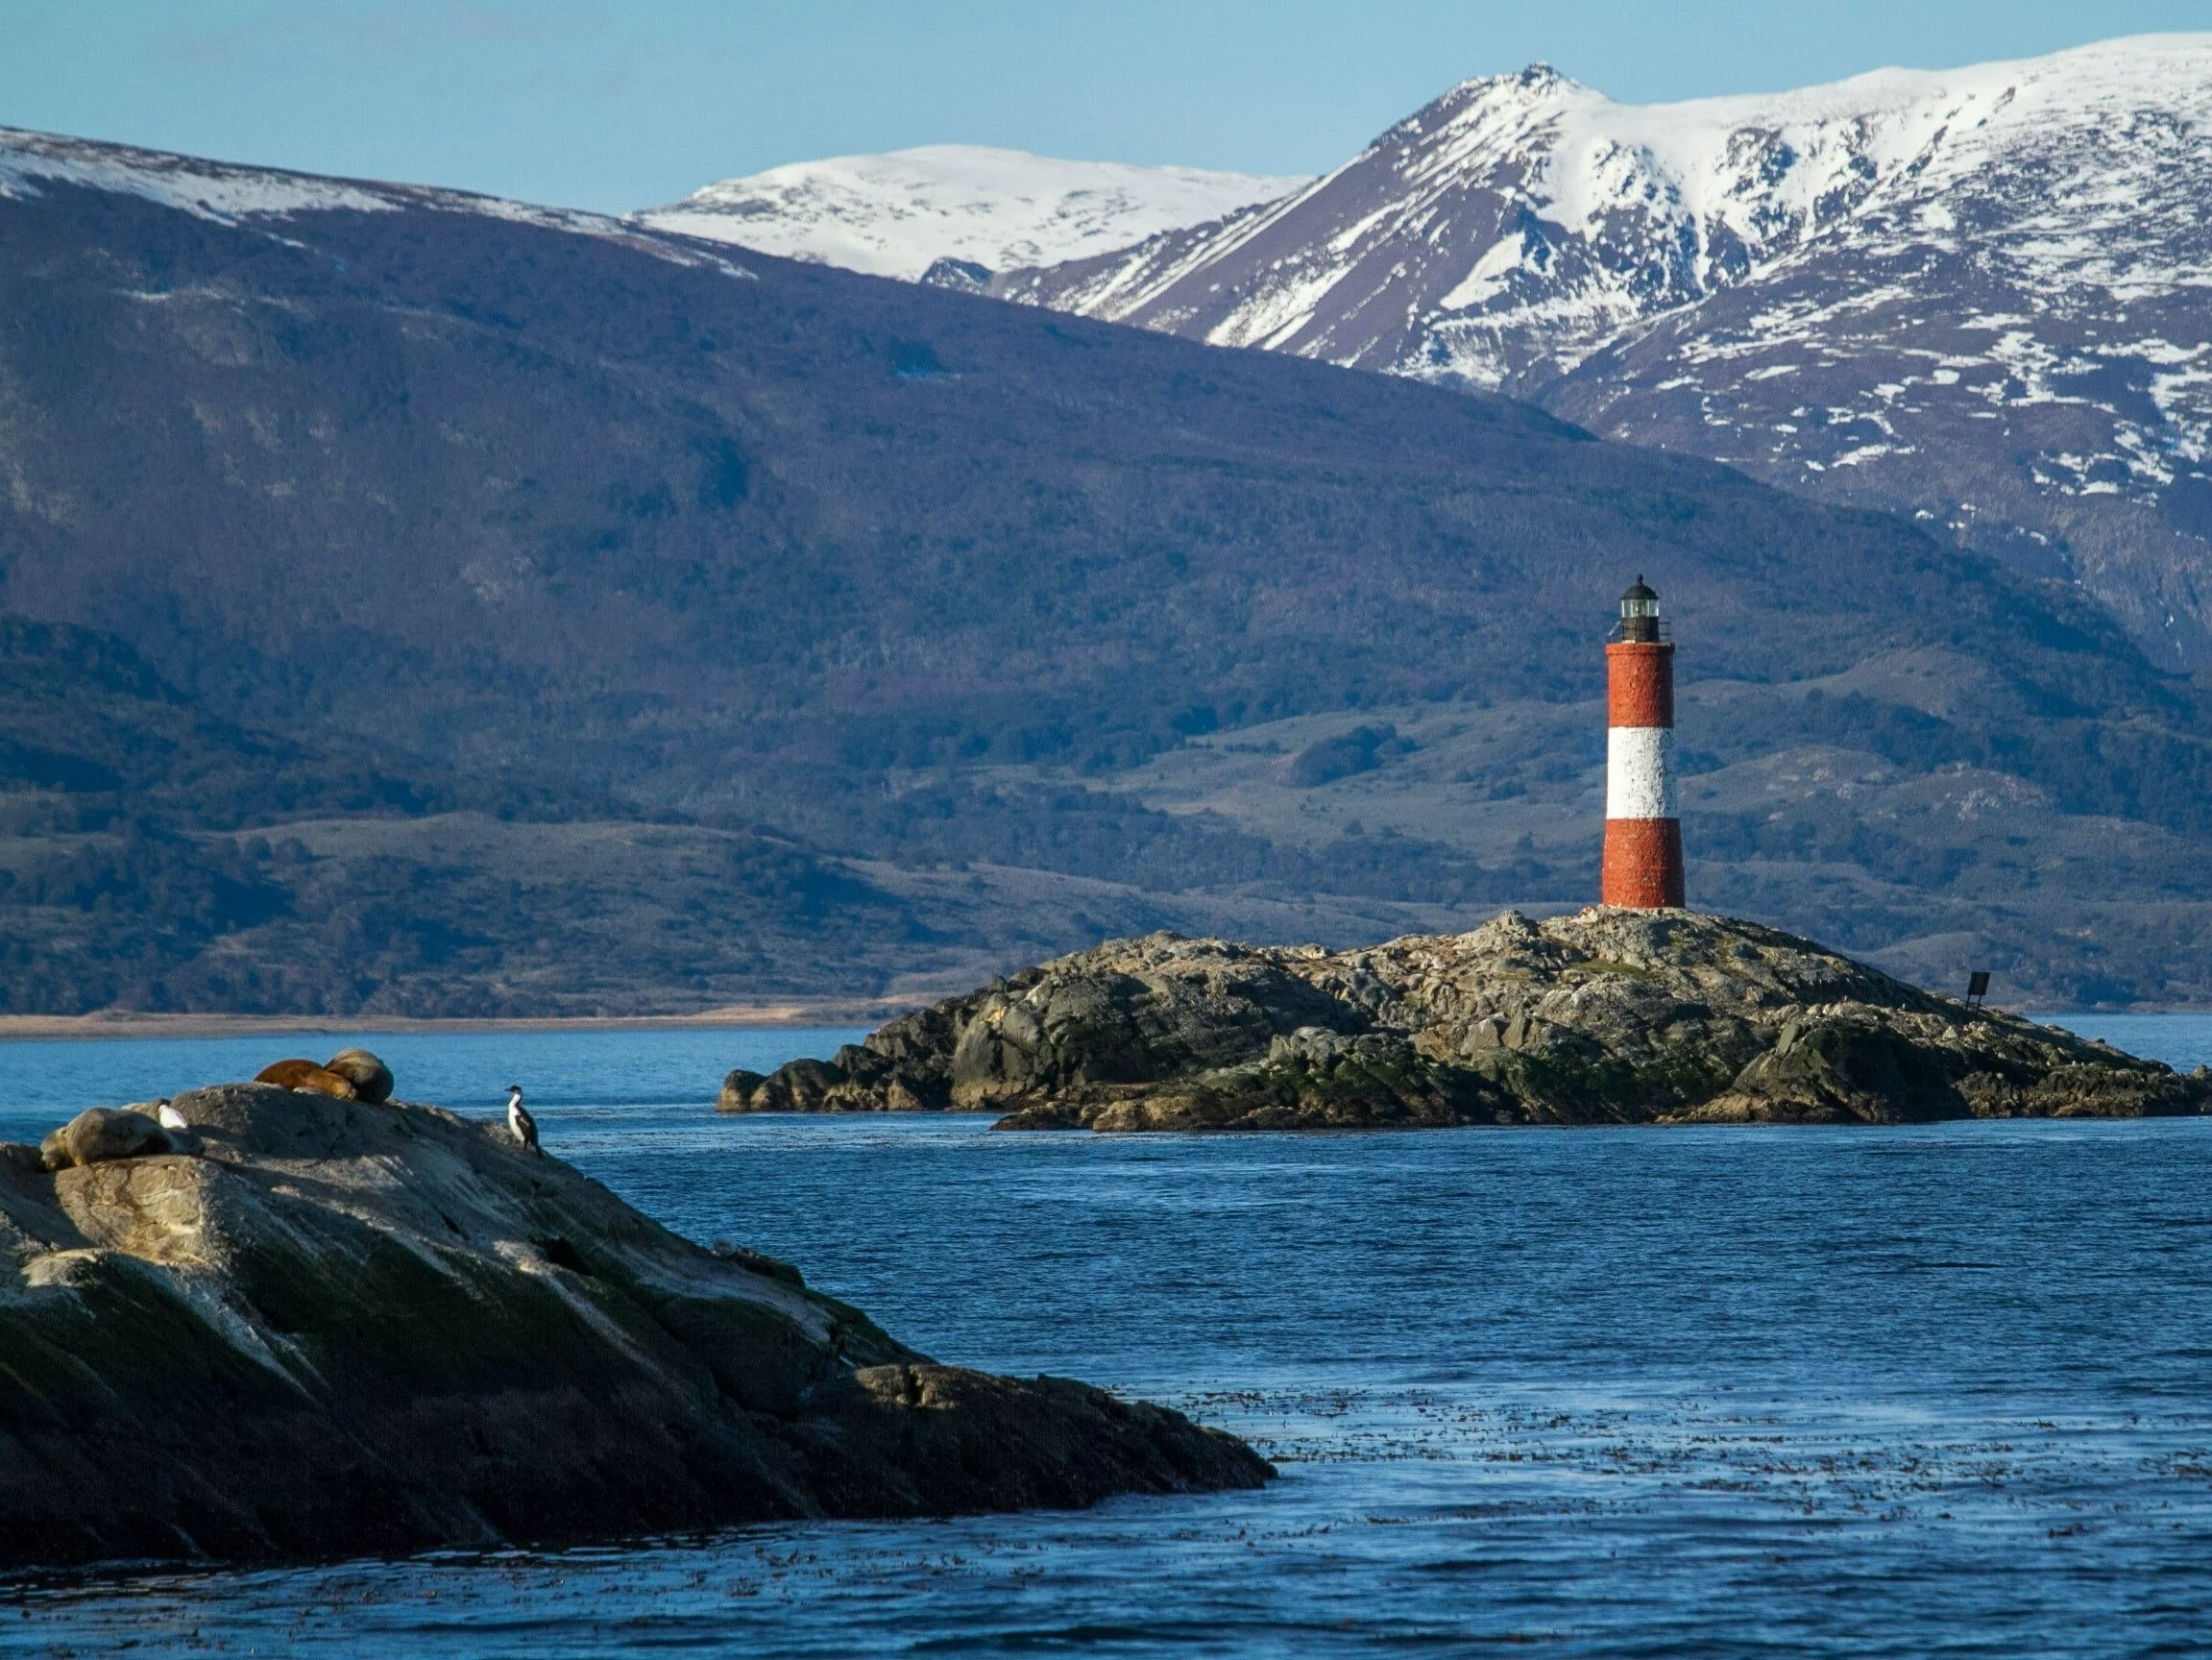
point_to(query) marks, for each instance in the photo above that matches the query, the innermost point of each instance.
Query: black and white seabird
(525, 1127)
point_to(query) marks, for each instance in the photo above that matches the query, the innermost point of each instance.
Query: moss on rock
(1611, 1015)
(343, 1326)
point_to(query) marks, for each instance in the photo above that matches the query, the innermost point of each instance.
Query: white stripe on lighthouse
(1639, 772)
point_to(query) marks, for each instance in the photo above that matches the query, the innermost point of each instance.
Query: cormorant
(525, 1127)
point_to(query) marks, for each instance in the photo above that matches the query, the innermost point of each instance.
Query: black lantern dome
(1639, 614)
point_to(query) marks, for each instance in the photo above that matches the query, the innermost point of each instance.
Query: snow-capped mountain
(1980, 296)
(229, 193)
(966, 205)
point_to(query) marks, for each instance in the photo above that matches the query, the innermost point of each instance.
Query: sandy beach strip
(118, 1023)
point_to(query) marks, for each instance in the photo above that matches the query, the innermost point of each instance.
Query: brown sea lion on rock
(370, 1077)
(306, 1075)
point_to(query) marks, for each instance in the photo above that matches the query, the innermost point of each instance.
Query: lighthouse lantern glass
(1639, 614)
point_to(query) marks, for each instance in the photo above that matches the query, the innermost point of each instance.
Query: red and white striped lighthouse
(1642, 829)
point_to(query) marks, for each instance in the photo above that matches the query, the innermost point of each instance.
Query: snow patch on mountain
(207, 189)
(229, 193)
(1527, 219)
(1981, 295)
(898, 214)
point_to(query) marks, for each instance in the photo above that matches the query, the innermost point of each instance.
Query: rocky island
(1611, 1015)
(258, 1322)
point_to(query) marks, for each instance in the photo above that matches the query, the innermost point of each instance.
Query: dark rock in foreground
(1608, 1017)
(337, 1326)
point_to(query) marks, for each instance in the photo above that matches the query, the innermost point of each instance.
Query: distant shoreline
(798, 1013)
(93, 1028)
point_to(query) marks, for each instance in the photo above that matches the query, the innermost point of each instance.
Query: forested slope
(419, 512)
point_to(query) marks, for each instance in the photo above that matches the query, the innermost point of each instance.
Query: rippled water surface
(1714, 1391)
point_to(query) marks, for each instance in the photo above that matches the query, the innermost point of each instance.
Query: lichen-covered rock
(1609, 1015)
(21, 1159)
(99, 1135)
(737, 1092)
(352, 1327)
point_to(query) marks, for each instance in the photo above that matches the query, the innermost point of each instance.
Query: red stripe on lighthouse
(1643, 863)
(1640, 685)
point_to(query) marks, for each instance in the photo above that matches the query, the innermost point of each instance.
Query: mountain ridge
(1977, 297)
(816, 632)
(962, 210)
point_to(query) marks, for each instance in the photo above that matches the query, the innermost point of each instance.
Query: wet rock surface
(335, 1326)
(1606, 1017)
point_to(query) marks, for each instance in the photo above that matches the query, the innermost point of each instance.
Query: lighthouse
(1642, 829)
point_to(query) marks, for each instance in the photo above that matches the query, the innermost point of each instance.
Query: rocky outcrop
(305, 1324)
(1607, 1016)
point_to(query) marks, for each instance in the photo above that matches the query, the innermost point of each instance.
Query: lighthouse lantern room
(1643, 823)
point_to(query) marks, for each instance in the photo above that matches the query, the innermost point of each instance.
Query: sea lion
(306, 1075)
(370, 1077)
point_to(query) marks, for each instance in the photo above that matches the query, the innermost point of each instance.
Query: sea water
(1710, 1391)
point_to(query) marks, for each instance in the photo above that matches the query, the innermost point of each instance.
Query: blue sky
(618, 106)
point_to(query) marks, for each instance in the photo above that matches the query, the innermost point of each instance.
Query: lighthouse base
(1643, 863)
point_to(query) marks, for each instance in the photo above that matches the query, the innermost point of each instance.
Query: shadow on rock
(305, 1324)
